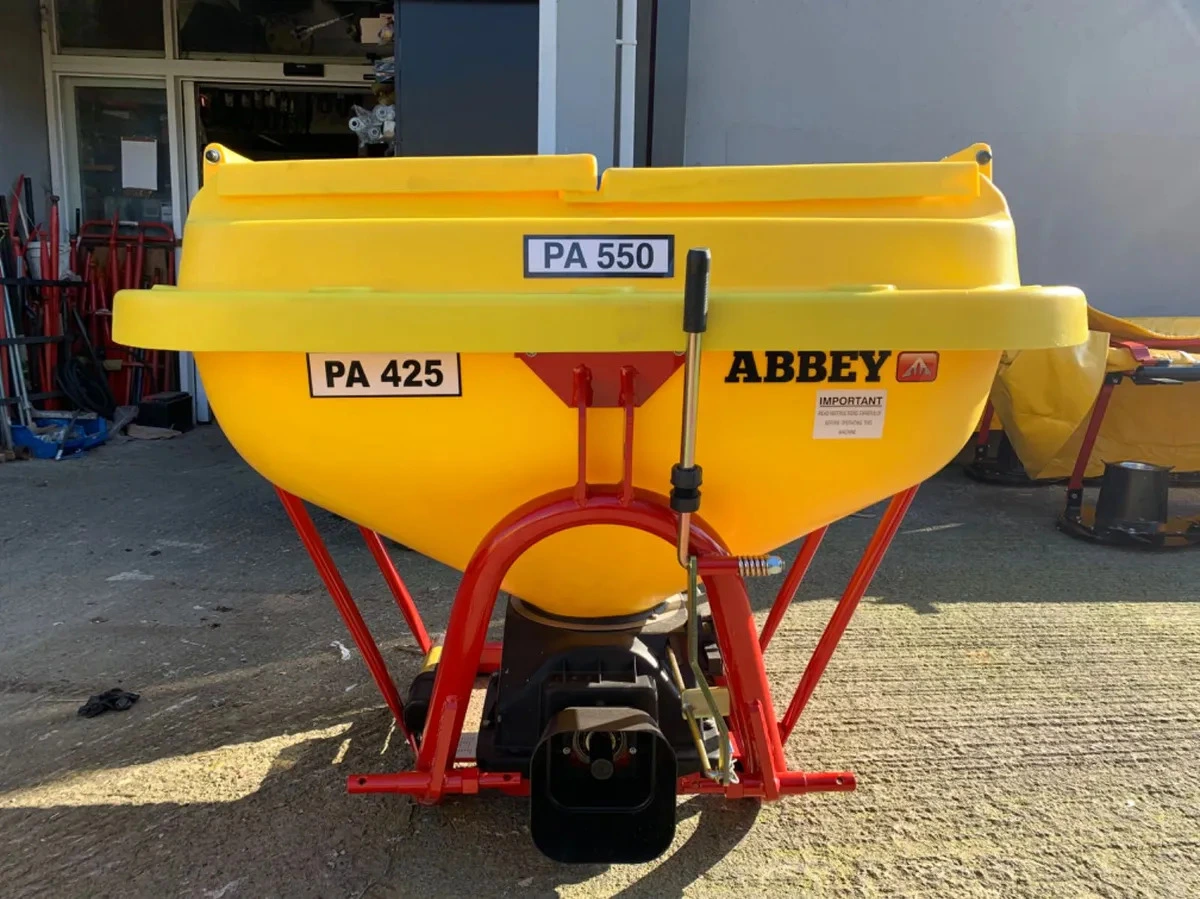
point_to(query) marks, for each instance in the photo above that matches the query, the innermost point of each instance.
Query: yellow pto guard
(486, 360)
(364, 329)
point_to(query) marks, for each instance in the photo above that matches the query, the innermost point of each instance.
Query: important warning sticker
(849, 414)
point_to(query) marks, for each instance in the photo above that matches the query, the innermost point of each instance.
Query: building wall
(587, 79)
(24, 147)
(1092, 108)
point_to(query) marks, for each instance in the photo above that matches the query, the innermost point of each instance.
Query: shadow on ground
(227, 779)
(124, 842)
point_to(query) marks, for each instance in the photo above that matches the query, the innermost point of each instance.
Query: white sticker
(384, 374)
(849, 414)
(599, 255)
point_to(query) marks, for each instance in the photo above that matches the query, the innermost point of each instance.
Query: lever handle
(695, 291)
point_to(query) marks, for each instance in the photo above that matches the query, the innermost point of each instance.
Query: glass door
(278, 121)
(118, 150)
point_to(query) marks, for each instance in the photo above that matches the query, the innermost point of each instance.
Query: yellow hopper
(451, 352)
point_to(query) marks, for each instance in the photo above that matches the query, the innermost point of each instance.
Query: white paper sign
(139, 164)
(849, 414)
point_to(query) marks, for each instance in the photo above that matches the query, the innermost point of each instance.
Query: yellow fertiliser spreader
(526, 372)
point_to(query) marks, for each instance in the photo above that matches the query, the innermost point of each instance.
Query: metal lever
(686, 476)
(685, 500)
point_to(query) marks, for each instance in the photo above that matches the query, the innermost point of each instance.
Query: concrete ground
(1022, 710)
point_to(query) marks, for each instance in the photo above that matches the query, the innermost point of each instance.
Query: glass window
(123, 152)
(279, 122)
(319, 28)
(111, 25)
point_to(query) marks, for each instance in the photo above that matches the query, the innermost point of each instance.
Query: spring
(759, 566)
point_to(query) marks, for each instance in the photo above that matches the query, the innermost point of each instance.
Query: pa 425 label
(599, 255)
(384, 374)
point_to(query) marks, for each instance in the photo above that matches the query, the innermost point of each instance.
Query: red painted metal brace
(791, 584)
(1075, 485)
(983, 438)
(756, 735)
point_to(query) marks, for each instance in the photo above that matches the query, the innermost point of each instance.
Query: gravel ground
(1022, 710)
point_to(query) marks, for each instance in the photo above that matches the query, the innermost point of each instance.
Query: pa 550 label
(599, 255)
(384, 374)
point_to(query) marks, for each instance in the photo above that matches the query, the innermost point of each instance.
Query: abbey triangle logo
(916, 367)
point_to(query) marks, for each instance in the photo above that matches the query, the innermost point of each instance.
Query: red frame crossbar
(758, 738)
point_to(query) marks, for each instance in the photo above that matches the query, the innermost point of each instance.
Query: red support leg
(404, 600)
(859, 582)
(746, 676)
(1075, 485)
(627, 399)
(443, 749)
(581, 398)
(294, 506)
(489, 662)
(787, 592)
(985, 433)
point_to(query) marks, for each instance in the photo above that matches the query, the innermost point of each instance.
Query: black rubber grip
(686, 478)
(685, 501)
(685, 488)
(695, 291)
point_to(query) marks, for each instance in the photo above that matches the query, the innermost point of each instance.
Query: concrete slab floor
(1022, 710)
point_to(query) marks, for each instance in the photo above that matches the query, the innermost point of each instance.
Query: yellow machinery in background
(484, 360)
(1044, 398)
(1078, 413)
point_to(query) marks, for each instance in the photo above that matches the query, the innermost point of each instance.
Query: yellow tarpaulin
(1044, 399)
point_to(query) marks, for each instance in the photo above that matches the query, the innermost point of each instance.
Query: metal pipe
(791, 584)
(681, 543)
(54, 298)
(547, 79)
(691, 401)
(467, 779)
(689, 715)
(1092, 432)
(754, 787)
(685, 477)
(395, 583)
(6, 438)
(725, 773)
(626, 102)
(20, 391)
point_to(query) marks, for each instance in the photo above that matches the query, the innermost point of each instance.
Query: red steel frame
(757, 736)
(1139, 349)
(984, 435)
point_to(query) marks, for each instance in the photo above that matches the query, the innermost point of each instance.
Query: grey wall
(24, 146)
(587, 79)
(1092, 108)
